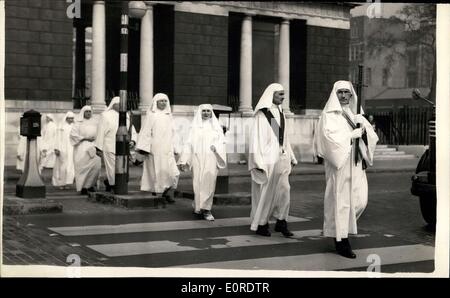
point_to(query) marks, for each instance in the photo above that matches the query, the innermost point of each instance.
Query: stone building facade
(219, 52)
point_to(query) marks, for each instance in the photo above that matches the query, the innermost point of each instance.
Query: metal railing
(405, 126)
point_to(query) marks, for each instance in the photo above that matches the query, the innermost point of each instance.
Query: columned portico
(98, 56)
(245, 72)
(146, 67)
(283, 63)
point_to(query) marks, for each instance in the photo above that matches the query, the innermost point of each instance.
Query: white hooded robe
(157, 137)
(64, 171)
(87, 163)
(48, 143)
(270, 188)
(22, 152)
(205, 163)
(346, 191)
(106, 137)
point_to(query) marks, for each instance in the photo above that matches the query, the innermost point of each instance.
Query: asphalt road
(391, 228)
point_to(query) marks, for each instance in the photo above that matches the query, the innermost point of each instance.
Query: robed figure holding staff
(346, 181)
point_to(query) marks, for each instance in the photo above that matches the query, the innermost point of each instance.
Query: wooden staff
(359, 86)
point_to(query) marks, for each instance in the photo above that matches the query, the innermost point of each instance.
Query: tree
(419, 30)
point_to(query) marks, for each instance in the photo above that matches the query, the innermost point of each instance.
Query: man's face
(278, 97)
(206, 114)
(115, 107)
(87, 114)
(161, 104)
(344, 96)
(69, 120)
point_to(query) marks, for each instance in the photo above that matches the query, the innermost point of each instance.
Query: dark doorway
(113, 13)
(265, 55)
(234, 58)
(163, 40)
(298, 40)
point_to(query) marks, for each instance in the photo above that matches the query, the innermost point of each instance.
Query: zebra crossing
(227, 243)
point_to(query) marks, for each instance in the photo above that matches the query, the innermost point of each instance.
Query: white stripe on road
(330, 261)
(157, 226)
(165, 246)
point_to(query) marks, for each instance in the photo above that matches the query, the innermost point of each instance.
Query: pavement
(241, 170)
(105, 235)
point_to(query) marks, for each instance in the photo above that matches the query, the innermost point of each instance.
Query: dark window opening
(298, 40)
(163, 42)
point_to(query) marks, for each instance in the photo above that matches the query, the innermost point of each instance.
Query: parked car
(424, 181)
(425, 190)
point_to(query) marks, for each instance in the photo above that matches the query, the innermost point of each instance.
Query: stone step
(132, 200)
(394, 157)
(389, 152)
(382, 146)
(385, 149)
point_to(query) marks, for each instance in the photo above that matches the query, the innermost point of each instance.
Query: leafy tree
(419, 29)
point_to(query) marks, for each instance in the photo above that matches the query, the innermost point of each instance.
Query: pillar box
(30, 184)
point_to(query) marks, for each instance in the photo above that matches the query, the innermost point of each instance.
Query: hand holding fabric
(357, 133)
(360, 119)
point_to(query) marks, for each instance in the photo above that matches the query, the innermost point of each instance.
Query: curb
(133, 200)
(15, 178)
(19, 206)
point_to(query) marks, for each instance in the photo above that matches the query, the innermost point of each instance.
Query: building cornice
(317, 14)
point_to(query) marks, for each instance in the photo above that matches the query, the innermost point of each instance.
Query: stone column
(245, 73)
(98, 56)
(146, 60)
(283, 63)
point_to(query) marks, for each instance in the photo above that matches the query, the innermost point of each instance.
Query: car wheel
(428, 208)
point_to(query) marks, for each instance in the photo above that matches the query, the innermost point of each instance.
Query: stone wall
(38, 52)
(200, 59)
(327, 62)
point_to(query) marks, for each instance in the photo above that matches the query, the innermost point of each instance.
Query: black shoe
(263, 230)
(170, 200)
(91, 189)
(108, 187)
(343, 248)
(84, 191)
(348, 248)
(281, 226)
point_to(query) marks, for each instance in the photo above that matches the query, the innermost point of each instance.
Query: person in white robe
(63, 171)
(204, 153)
(21, 152)
(48, 142)
(105, 142)
(157, 142)
(270, 163)
(346, 193)
(87, 163)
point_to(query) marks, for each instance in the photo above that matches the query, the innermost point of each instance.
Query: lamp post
(129, 9)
